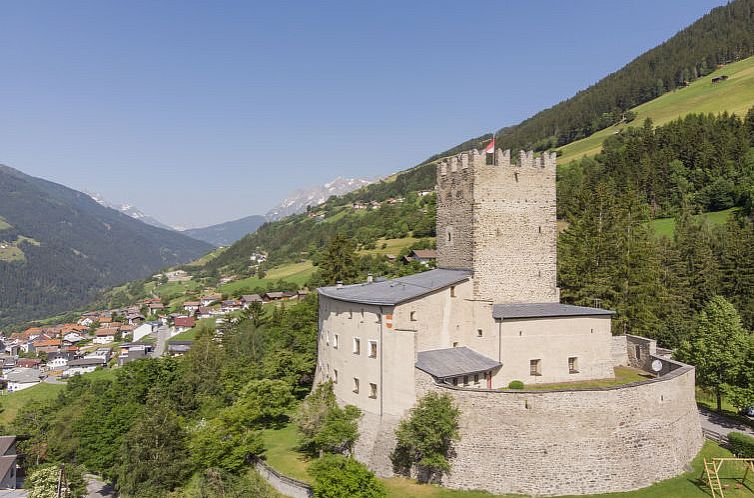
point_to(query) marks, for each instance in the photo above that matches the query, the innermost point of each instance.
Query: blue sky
(202, 112)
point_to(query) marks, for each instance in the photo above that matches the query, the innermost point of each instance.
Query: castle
(488, 315)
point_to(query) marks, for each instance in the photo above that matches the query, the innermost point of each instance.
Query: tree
(336, 476)
(324, 426)
(719, 347)
(153, 457)
(224, 443)
(425, 438)
(338, 261)
(42, 482)
(255, 312)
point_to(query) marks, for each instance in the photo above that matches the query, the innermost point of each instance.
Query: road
(720, 424)
(96, 488)
(163, 334)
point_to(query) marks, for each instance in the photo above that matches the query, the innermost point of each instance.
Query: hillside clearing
(4, 225)
(13, 402)
(295, 273)
(392, 246)
(736, 95)
(665, 227)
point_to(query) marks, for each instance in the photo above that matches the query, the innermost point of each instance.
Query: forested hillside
(58, 247)
(725, 34)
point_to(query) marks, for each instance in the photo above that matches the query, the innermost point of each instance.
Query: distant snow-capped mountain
(129, 210)
(314, 196)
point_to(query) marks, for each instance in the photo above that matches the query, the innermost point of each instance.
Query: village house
(203, 312)
(230, 305)
(179, 348)
(144, 330)
(182, 324)
(177, 276)
(423, 256)
(9, 463)
(84, 365)
(246, 300)
(29, 362)
(47, 346)
(209, 299)
(191, 306)
(8, 363)
(58, 362)
(19, 379)
(104, 336)
(73, 337)
(133, 351)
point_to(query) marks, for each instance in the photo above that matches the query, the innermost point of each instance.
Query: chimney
(338, 284)
(370, 278)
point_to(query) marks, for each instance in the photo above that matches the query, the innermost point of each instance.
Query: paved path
(163, 334)
(96, 488)
(53, 380)
(721, 424)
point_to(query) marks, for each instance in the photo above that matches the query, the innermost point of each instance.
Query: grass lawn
(392, 246)
(623, 375)
(13, 402)
(665, 227)
(173, 290)
(186, 335)
(736, 95)
(296, 273)
(281, 454)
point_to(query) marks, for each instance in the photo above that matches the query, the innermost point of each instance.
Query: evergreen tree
(719, 347)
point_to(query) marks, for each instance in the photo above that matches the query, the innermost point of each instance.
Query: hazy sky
(202, 112)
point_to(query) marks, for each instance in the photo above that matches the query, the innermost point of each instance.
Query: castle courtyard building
(488, 315)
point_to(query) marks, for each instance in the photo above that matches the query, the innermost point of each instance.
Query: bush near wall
(741, 444)
(516, 384)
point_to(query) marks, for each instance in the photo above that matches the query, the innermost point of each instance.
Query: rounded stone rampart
(561, 442)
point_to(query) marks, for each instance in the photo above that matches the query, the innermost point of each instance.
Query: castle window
(535, 367)
(455, 381)
(356, 385)
(372, 349)
(455, 344)
(452, 291)
(335, 341)
(356, 345)
(479, 333)
(476, 379)
(334, 376)
(327, 338)
(465, 380)
(540, 229)
(449, 236)
(412, 316)
(350, 315)
(637, 348)
(573, 365)
(372, 390)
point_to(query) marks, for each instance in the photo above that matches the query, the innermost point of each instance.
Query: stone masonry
(499, 221)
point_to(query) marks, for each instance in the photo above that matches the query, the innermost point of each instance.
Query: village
(111, 338)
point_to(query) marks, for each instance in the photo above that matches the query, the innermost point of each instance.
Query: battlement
(475, 159)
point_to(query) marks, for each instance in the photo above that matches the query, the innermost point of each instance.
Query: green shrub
(336, 476)
(516, 384)
(741, 444)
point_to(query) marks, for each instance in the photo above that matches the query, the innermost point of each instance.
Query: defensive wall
(562, 442)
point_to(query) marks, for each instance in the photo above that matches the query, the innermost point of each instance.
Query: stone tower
(499, 222)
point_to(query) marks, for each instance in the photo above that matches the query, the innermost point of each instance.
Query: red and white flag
(490, 149)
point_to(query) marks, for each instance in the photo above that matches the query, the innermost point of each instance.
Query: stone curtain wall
(285, 485)
(640, 351)
(546, 443)
(619, 350)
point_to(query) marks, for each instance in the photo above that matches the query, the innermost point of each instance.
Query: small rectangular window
(372, 390)
(327, 338)
(412, 316)
(535, 367)
(334, 376)
(452, 291)
(479, 333)
(476, 378)
(455, 381)
(356, 345)
(372, 349)
(638, 352)
(573, 365)
(335, 341)
(356, 385)
(465, 380)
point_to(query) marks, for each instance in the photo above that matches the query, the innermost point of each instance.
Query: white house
(73, 337)
(57, 362)
(144, 330)
(84, 365)
(22, 378)
(104, 336)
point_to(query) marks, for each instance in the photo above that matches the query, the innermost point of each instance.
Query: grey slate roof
(86, 362)
(543, 310)
(397, 290)
(23, 375)
(453, 362)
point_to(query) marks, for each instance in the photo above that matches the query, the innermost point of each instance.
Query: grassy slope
(13, 402)
(282, 455)
(735, 96)
(665, 227)
(297, 273)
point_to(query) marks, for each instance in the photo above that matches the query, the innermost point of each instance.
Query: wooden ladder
(713, 480)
